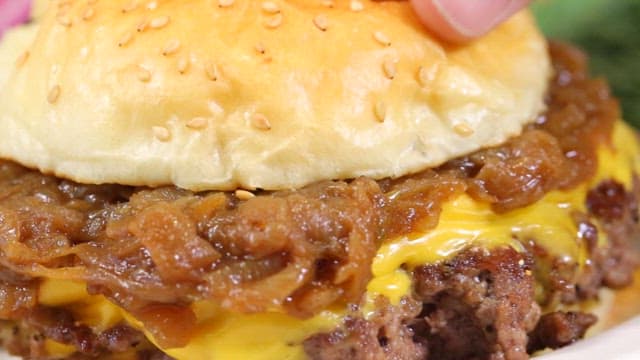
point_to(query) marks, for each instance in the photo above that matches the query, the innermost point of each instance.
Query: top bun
(259, 94)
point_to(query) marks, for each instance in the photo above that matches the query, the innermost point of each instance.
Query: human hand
(13, 12)
(463, 20)
(454, 20)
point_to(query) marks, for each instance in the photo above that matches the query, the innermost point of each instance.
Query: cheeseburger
(293, 179)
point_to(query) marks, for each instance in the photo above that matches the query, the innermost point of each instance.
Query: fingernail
(474, 18)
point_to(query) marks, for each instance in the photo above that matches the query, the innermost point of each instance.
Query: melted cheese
(463, 222)
(254, 336)
(622, 158)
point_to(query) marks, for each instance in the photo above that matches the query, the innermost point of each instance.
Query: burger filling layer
(320, 271)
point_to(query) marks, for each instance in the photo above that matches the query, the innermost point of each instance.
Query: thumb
(462, 20)
(13, 12)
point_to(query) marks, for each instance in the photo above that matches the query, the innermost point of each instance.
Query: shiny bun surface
(259, 94)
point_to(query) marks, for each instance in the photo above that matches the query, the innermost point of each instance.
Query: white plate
(619, 343)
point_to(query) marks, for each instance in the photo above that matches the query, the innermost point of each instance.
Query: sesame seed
(380, 110)
(463, 129)
(225, 3)
(270, 7)
(260, 48)
(54, 94)
(159, 22)
(125, 39)
(144, 75)
(273, 21)
(328, 3)
(382, 38)
(171, 48)
(130, 7)
(64, 20)
(214, 107)
(161, 133)
(152, 5)
(423, 76)
(321, 22)
(213, 73)
(244, 194)
(197, 123)
(389, 68)
(22, 59)
(183, 65)
(356, 5)
(521, 262)
(142, 25)
(259, 121)
(88, 14)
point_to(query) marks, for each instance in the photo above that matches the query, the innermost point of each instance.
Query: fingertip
(436, 22)
(463, 20)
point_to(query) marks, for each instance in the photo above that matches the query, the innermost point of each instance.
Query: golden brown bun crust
(260, 94)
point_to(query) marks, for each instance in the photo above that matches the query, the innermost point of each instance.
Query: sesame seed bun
(251, 94)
